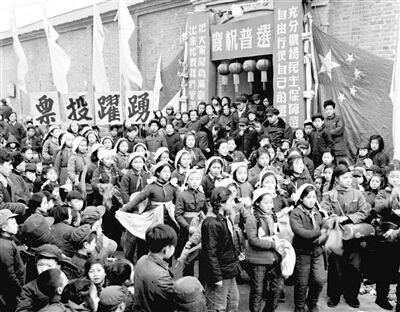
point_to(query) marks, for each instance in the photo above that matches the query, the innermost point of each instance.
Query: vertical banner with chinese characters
(76, 108)
(45, 108)
(244, 38)
(288, 61)
(201, 81)
(140, 106)
(107, 108)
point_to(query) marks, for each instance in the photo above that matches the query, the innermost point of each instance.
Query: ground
(367, 302)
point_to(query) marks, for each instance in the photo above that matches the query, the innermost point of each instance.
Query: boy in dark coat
(11, 265)
(245, 137)
(32, 299)
(154, 140)
(276, 128)
(335, 126)
(320, 139)
(154, 287)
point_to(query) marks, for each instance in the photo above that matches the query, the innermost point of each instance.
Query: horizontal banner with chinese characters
(105, 109)
(244, 38)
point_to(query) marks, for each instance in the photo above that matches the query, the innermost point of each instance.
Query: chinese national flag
(359, 83)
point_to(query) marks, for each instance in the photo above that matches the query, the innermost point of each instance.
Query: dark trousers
(309, 274)
(130, 244)
(266, 283)
(344, 272)
(388, 263)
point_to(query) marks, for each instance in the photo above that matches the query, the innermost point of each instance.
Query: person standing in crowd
(335, 127)
(219, 264)
(348, 206)
(276, 127)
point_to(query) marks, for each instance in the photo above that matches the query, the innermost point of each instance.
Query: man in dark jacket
(335, 126)
(276, 128)
(245, 137)
(31, 298)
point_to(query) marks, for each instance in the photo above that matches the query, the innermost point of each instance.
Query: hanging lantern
(235, 69)
(223, 70)
(249, 66)
(263, 65)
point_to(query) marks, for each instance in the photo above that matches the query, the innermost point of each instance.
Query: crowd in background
(93, 219)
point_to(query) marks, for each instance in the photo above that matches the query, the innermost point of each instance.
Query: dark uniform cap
(318, 115)
(243, 121)
(80, 234)
(272, 111)
(48, 251)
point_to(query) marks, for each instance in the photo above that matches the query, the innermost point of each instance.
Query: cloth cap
(134, 155)
(103, 153)
(161, 164)
(260, 192)
(188, 291)
(191, 171)
(159, 151)
(252, 110)
(116, 146)
(48, 251)
(212, 159)
(85, 130)
(36, 226)
(256, 96)
(363, 145)
(318, 115)
(80, 234)
(112, 296)
(236, 165)
(65, 137)
(243, 121)
(225, 182)
(308, 122)
(140, 144)
(77, 142)
(179, 155)
(30, 167)
(300, 191)
(6, 214)
(93, 213)
(272, 111)
(264, 174)
(375, 169)
(359, 172)
(303, 144)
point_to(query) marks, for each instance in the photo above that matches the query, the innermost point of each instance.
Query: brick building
(366, 24)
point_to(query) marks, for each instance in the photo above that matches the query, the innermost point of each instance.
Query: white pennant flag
(157, 84)
(99, 78)
(60, 61)
(128, 70)
(395, 96)
(22, 67)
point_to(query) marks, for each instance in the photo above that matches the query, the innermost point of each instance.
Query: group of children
(231, 187)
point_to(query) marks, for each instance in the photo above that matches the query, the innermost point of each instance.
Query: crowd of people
(95, 219)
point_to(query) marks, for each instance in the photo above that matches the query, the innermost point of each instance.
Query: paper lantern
(223, 70)
(249, 66)
(263, 65)
(235, 69)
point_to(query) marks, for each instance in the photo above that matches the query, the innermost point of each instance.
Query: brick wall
(370, 25)
(156, 32)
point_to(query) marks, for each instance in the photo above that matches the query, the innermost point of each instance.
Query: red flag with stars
(359, 83)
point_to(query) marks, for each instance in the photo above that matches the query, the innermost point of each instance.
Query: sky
(30, 11)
